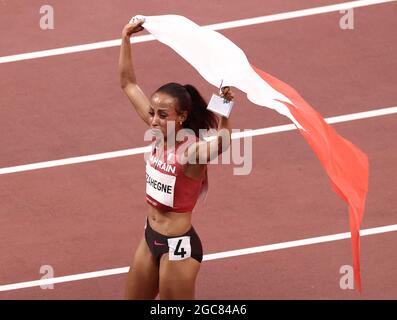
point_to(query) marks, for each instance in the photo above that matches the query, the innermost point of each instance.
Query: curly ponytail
(190, 100)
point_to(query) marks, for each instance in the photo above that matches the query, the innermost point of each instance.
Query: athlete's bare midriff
(169, 223)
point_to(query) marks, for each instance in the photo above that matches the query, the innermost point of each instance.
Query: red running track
(89, 217)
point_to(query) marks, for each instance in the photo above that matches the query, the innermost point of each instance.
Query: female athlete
(168, 257)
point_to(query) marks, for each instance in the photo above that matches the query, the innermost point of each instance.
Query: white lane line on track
(217, 26)
(237, 135)
(207, 257)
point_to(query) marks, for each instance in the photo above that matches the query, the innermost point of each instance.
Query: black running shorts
(179, 248)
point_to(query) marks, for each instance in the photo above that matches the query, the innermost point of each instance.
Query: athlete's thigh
(178, 278)
(143, 277)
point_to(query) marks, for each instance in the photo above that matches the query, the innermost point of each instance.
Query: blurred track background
(89, 216)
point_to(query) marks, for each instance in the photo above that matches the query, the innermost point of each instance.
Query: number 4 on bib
(179, 248)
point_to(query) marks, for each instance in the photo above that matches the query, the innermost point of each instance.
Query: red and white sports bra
(167, 186)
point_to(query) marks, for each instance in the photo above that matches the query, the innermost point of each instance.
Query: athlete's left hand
(227, 94)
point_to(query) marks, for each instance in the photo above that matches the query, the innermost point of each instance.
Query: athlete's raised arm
(209, 150)
(127, 74)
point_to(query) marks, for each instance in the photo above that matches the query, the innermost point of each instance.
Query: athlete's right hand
(131, 28)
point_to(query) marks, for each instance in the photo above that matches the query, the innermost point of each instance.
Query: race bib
(160, 186)
(179, 248)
